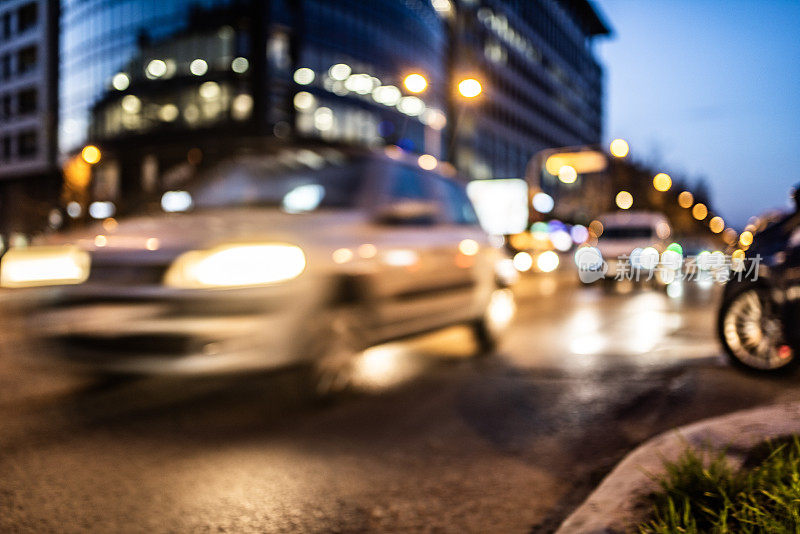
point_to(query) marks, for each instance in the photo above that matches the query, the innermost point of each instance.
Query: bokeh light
(662, 182)
(415, 83)
(624, 200)
(699, 211)
(716, 224)
(619, 148)
(547, 261)
(567, 174)
(543, 203)
(469, 88)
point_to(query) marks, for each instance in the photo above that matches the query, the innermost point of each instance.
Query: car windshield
(296, 181)
(628, 232)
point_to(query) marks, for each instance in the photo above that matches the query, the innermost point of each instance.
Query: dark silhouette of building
(28, 73)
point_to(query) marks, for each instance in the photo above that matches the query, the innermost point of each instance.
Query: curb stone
(616, 505)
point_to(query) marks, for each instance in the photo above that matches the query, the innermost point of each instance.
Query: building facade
(158, 86)
(543, 84)
(28, 55)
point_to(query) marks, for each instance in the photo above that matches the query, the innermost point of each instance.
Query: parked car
(759, 318)
(296, 256)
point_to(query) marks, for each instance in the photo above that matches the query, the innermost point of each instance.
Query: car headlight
(236, 266)
(44, 266)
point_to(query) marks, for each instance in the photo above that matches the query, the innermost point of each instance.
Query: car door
(411, 252)
(467, 272)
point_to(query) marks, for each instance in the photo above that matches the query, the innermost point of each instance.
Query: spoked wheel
(752, 332)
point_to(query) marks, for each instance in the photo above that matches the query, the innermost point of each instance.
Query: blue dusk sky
(709, 88)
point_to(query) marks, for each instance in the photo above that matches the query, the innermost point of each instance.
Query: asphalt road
(430, 440)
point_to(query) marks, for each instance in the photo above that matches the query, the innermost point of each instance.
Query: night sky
(709, 88)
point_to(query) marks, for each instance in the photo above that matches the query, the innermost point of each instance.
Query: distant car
(628, 241)
(759, 317)
(298, 256)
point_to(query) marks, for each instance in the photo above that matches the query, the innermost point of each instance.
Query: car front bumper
(156, 330)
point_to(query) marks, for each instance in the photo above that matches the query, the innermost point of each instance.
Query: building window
(26, 59)
(5, 29)
(27, 17)
(6, 149)
(5, 67)
(27, 101)
(27, 144)
(6, 111)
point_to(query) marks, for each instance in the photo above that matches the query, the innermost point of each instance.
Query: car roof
(306, 152)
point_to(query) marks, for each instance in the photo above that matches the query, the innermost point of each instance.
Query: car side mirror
(408, 213)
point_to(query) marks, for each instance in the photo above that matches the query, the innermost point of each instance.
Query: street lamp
(91, 154)
(685, 199)
(662, 182)
(415, 83)
(699, 211)
(619, 148)
(469, 88)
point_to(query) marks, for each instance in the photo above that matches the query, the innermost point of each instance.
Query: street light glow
(662, 182)
(415, 83)
(470, 88)
(91, 154)
(619, 148)
(685, 199)
(746, 239)
(699, 211)
(716, 224)
(624, 200)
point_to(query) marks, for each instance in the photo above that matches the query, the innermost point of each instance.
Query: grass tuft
(703, 493)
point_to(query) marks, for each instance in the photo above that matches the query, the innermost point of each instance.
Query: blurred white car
(298, 256)
(633, 241)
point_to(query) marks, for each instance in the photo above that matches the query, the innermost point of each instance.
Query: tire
(335, 345)
(751, 330)
(488, 329)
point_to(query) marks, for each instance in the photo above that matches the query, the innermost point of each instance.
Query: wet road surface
(430, 440)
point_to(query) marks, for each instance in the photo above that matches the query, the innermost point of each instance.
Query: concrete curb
(616, 505)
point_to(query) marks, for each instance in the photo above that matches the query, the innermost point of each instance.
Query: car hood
(161, 236)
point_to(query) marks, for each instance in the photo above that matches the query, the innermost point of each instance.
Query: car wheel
(752, 332)
(498, 315)
(341, 338)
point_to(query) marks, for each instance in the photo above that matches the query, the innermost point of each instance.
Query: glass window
(280, 181)
(407, 184)
(5, 30)
(6, 109)
(27, 101)
(27, 16)
(26, 59)
(27, 144)
(5, 66)
(454, 198)
(6, 148)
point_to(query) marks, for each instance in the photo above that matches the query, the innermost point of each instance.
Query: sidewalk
(617, 504)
